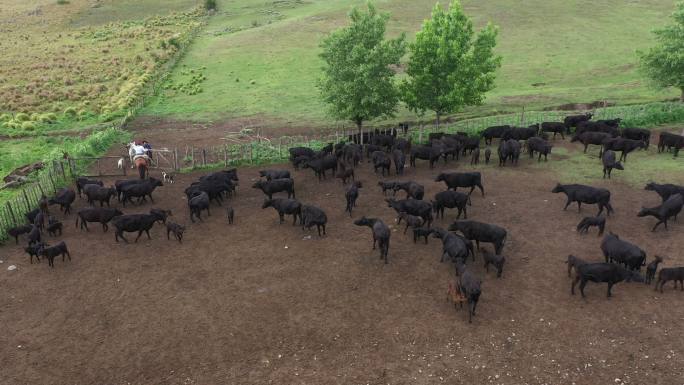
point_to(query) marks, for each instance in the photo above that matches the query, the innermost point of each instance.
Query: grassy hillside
(71, 65)
(62, 67)
(261, 57)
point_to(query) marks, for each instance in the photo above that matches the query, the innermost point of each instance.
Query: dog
(120, 164)
(168, 177)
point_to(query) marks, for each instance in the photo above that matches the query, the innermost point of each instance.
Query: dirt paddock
(259, 303)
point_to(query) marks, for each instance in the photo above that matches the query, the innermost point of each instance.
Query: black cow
(454, 180)
(603, 272)
(271, 187)
(451, 199)
(351, 195)
(587, 138)
(494, 132)
(98, 193)
(453, 246)
(583, 127)
(509, 149)
(670, 274)
(539, 145)
(301, 151)
(609, 163)
(140, 190)
(321, 165)
(624, 145)
(413, 189)
(81, 182)
(381, 161)
(412, 206)
(274, 174)
(585, 194)
(572, 120)
(285, 206)
(670, 141)
(97, 214)
(664, 190)
(19, 230)
(587, 222)
(399, 161)
(313, 216)
(637, 134)
(429, 153)
(381, 234)
(470, 287)
(622, 252)
(136, 222)
(64, 198)
(481, 232)
(197, 204)
(53, 251)
(555, 127)
(670, 208)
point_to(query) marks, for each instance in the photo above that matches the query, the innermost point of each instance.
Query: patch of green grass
(120, 10)
(19, 152)
(573, 166)
(554, 52)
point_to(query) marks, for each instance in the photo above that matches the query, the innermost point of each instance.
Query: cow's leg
(567, 204)
(610, 286)
(582, 285)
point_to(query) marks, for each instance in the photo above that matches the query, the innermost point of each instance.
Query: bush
(28, 126)
(62, 2)
(210, 5)
(70, 111)
(22, 117)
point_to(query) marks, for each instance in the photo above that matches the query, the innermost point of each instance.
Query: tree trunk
(359, 124)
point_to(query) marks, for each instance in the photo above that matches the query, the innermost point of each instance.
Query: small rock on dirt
(12, 267)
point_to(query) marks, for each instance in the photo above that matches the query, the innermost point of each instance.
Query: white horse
(133, 151)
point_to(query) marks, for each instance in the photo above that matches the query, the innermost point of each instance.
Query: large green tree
(664, 63)
(358, 74)
(450, 67)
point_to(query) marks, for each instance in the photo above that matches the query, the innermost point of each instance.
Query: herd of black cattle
(623, 260)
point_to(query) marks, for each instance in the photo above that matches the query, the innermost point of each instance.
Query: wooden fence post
(54, 186)
(192, 156)
(204, 156)
(225, 155)
(99, 171)
(14, 219)
(28, 205)
(175, 159)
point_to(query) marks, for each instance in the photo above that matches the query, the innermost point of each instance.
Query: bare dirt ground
(168, 132)
(259, 303)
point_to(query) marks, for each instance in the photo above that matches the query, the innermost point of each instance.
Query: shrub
(22, 117)
(28, 126)
(210, 5)
(62, 2)
(5, 117)
(70, 111)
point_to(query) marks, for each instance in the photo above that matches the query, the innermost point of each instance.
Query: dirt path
(259, 302)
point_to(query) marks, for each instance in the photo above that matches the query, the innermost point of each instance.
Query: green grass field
(261, 57)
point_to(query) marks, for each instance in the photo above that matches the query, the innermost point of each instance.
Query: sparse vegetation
(664, 63)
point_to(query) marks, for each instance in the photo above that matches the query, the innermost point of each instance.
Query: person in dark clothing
(148, 148)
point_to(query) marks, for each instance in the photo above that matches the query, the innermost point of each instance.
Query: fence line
(261, 150)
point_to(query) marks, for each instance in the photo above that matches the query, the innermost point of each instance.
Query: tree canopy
(450, 67)
(664, 63)
(358, 72)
